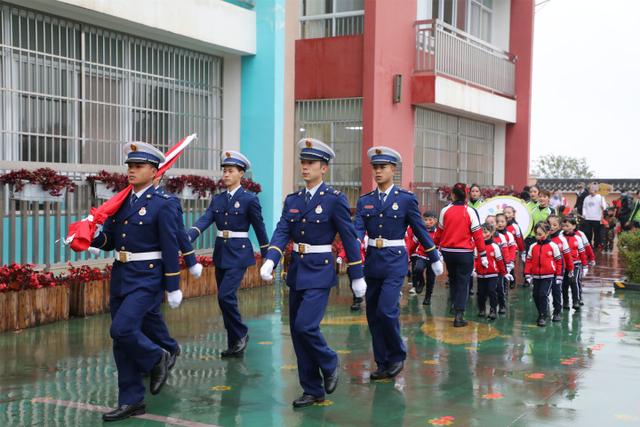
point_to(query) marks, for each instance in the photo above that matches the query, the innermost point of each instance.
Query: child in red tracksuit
(514, 228)
(502, 242)
(580, 262)
(420, 261)
(591, 258)
(489, 276)
(556, 237)
(542, 267)
(510, 256)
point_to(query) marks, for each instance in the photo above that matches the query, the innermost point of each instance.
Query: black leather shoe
(124, 411)
(236, 349)
(174, 358)
(394, 369)
(357, 302)
(379, 374)
(307, 400)
(427, 301)
(576, 306)
(459, 320)
(331, 380)
(581, 302)
(159, 373)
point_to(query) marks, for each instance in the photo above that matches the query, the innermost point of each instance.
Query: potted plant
(40, 185)
(629, 246)
(191, 187)
(106, 184)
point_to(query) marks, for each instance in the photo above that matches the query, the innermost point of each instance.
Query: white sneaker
(412, 291)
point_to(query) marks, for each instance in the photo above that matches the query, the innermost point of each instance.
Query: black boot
(159, 373)
(459, 320)
(427, 300)
(124, 411)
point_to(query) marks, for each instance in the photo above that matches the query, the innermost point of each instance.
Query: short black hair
(429, 214)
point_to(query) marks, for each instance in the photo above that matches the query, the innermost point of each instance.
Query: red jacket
(414, 248)
(509, 251)
(514, 229)
(563, 245)
(459, 229)
(544, 260)
(496, 263)
(578, 254)
(591, 256)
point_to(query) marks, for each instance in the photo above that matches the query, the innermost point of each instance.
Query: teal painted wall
(262, 107)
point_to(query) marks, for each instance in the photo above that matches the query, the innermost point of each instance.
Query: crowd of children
(555, 257)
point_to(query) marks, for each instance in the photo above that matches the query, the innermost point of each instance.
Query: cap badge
(378, 151)
(228, 154)
(133, 147)
(308, 144)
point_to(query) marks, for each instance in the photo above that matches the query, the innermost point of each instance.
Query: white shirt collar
(314, 189)
(141, 192)
(233, 192)
(386, 192)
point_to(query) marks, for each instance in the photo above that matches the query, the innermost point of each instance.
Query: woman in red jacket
(542, 267)
(457, 235)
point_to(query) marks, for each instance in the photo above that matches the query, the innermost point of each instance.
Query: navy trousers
(134, 352)
(460, 267)
(383, 317)
(422, 267)
(228, 281)
(315, 358)
(571, 283)
(154, 327)
(541, 290)
(502, 291)
(487, 290)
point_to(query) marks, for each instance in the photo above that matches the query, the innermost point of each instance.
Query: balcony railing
(443, 49)
(332, 25)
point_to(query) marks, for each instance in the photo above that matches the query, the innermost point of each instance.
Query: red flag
(81, 233)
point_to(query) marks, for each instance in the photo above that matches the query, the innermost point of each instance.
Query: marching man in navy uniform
(233, 211)
(144, 235)
(384, 215)
(311, 217)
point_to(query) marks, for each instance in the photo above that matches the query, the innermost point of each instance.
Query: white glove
(484, 261)
(558, 280)
(174, 298)
(523, 256)
(359, 287)
(437, 268)
(510, 267)
(196, 270)
(339, 260)
(266, 270)
(98, 231)
(529, 279)
(94, 251)
(592, 263)
(508, 277)
(474, 273)
(585, 271)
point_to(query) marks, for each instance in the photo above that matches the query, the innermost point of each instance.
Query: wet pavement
(582, 371)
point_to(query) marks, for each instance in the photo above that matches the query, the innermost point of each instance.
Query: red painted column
(518, 134)
(389, 49)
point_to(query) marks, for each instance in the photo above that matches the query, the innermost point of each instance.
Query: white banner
(497, 204)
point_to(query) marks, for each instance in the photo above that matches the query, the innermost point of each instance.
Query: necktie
(307, 197)
(133, 199)
(229, 196)
(382, 197)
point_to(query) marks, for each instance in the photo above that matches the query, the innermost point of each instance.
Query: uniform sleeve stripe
(198, 230)
(264, 246)
(172, 274)
(105, 241)
(432, 248)
(277, 249)
(355, 263)
(189, 253)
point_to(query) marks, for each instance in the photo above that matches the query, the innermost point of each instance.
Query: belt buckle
(226, 234)
(301, 248)
(379, 243)
(123, 256)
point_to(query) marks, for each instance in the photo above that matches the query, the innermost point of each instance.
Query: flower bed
(487, 192)
(191, 187)
(42, 184)
(106, 184)
(89, 290)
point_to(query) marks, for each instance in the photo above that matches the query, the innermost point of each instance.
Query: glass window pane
(349, 5)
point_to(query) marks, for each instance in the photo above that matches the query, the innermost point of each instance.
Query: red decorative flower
(198, 184)
(47, 178)
(113, 181)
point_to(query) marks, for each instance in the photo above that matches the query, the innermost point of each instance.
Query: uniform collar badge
(394, 206)
(318, 209)
(237, 204)
(142, 211)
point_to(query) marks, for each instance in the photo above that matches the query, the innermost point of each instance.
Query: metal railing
(428, 197)
(32, 232)
(444, 49)
(332, 25)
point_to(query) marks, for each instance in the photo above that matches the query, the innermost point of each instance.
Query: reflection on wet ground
(581, 371)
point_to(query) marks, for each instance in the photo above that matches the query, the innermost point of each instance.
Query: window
(72, 93)
(471, 16)
(450, 149)
(338, 123)
(331, 18)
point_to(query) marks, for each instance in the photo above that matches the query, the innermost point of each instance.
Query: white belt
(305, 248)
(124, 256)
(385, 243)
(226, 234)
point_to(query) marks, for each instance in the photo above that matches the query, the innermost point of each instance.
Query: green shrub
(629, 245)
